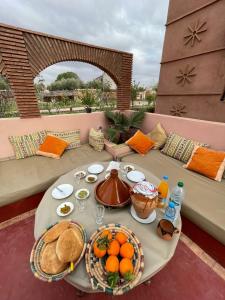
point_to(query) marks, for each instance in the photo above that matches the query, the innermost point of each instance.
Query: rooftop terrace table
(157, 252)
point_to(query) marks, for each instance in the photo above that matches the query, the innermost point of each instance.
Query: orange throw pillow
(207, 162)
(140, 142)
(52, 147)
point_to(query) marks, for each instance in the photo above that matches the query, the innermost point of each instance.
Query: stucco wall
(212, 133)
(17, 126)
(200, 57)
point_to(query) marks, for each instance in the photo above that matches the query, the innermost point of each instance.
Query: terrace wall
(212, 133)
(192, 75)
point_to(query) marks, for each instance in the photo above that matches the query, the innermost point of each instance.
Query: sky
(129, 25)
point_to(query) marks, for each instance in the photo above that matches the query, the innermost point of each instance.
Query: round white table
(157, 252)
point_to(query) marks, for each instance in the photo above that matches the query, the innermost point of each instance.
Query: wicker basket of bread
(58, 251)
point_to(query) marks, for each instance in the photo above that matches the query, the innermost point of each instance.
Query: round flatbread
(49, 261)
(69, 245)
(53, 233)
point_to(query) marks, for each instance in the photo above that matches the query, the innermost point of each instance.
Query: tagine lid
(113, 191)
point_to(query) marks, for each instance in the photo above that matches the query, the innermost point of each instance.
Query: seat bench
(204, 202)
(26, 177)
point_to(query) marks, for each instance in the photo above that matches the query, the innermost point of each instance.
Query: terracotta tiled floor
(185, 277)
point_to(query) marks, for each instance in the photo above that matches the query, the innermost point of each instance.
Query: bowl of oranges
(114, 259)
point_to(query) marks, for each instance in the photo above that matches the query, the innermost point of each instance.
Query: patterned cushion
(96, 139)
(72, 137)
(179, 147)
(27, 145)
(158, 135)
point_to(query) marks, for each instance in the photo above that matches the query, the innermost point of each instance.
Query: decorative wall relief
(178, 110)
(185, 76)
(193, 33)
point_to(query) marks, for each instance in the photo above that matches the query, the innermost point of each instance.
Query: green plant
(87, 99)
(122, 126)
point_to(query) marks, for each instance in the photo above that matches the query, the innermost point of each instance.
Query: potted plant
(122, 127)
(88, 100)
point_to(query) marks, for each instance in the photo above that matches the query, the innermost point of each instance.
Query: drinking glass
(77, 179)
(100, 211)
(81, 204)
(123, 171)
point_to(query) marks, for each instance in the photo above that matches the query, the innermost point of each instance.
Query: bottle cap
(171, 204)
(180, 184)
(165, 177)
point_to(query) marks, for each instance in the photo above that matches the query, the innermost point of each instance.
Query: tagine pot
(113, 192)
(144, 197)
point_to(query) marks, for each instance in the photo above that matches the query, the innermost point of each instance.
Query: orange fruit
(98, 252)
(112, 264)
(107, 233)
(121, 237)
(127, 250)
(114, 248)
(126, 267)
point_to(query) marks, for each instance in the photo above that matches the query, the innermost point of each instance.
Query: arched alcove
(61, 87)
(24, 54)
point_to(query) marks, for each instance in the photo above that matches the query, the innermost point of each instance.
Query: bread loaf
(49, 261)
(53, 233)
(69, 245)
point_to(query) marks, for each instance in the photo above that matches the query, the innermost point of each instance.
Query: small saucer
(148, 220)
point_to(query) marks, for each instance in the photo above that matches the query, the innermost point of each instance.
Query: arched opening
(8, 106)
(74, 86)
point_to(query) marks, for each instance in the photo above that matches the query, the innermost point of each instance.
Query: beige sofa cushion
(204, 202)
(25, 177)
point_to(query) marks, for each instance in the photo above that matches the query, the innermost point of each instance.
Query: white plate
(148, 220)
(62, 191)
(59, 213)
(135, 176)
(129, 166)
(95, 169)
(94, 176)
(78, 191)
(82, 174)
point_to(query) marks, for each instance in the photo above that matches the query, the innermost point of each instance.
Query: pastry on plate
(49, 261)
(53, 233)
(69, 245)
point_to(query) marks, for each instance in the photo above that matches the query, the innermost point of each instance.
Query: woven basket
(35, 257)
(95, 266)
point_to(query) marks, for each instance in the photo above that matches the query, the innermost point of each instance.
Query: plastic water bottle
(170, 212)
(177, 197)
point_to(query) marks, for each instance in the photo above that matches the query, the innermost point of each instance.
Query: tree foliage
(135, 88)
(4, 85)
(67, 75)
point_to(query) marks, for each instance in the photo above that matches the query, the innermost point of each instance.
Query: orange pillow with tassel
(207, 162)
(52, 147)
(140, 142)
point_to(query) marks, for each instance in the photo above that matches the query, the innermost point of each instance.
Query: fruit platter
(114, 259)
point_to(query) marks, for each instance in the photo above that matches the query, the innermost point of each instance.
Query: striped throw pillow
(179, 147)
(72, 137)
(96, 139)
(27, 145)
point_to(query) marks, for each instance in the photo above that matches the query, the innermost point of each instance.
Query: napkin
(113, 165)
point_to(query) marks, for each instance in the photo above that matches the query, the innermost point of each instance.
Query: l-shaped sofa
(204, 203)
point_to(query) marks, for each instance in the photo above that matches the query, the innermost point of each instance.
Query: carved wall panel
(193, 59)
(193, 107)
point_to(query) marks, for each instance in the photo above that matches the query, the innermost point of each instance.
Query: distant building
(106, 79)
